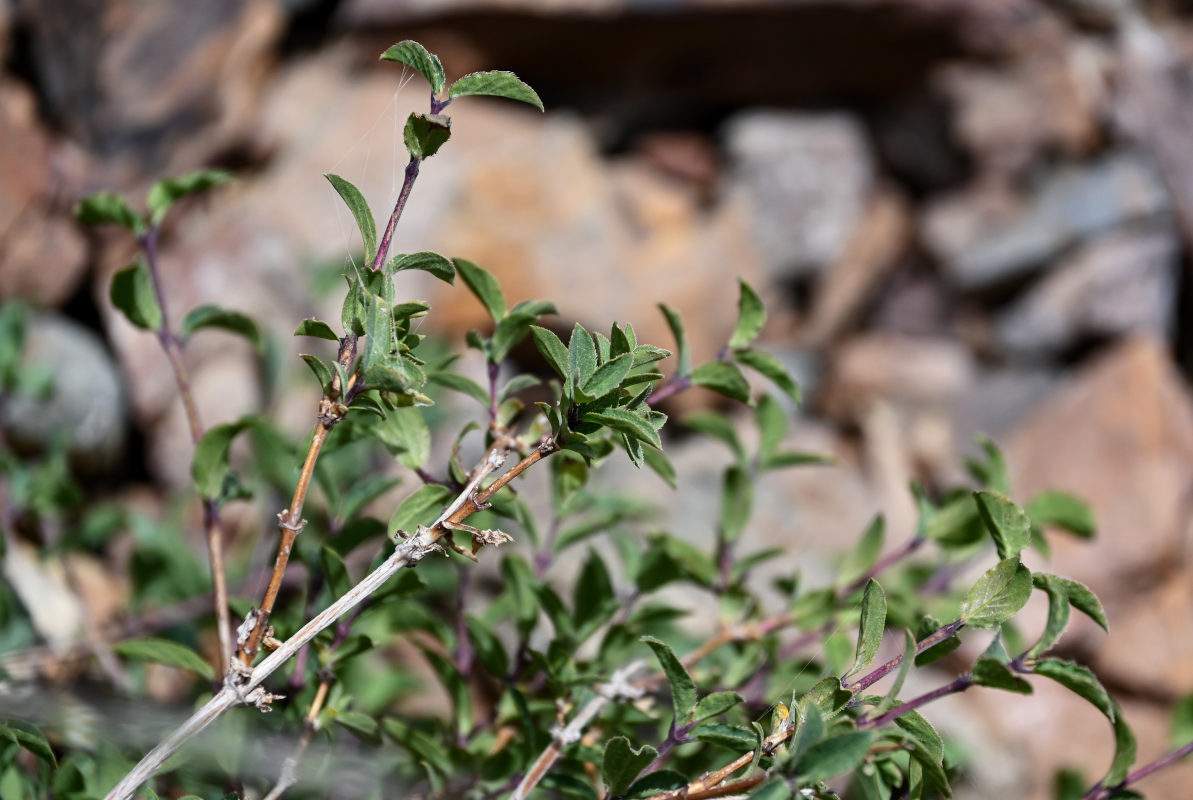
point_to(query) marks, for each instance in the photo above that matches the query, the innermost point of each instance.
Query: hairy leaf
(483, 285)
(316, 328)
(1062, 510)
(751, 316)
(433, 263)
(1007, 523)
(216, 317)
(835, 755)
(769, 367)
(990, 672)
(132, 293)
(737, 500)
(105, 208)
(359, 207)
(622, 763)
(419, 508)
(683, 689)
(496, 83)
(415, 56)
(723, 378)
(997, 595)
(164, 651)
(871, 627)
(1079, 680)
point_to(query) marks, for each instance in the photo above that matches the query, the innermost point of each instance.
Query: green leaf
(785, 459)
(714, 705)
(1062, 510)
(751, 316)
(132, 293)
(359, 723)
(459, 383)
(419, 508)
(433, 263)
(379, 336)
(316, 328)
(683, 688)
(626, 422)
(488, 648)
(622, 763)
(496, 83)
(164, 651)
(835, 755)
(772, 425)
(168, 191)
(1007, 523)
(334, 571)
(582, 357)
(737, 499)
(27, 736)
(511, 330)
(1181, 731)
(990, 672)
(769, 367)
(681, 340)
(321, 370)
(519, 583)
(648, 354)
(1058, 612)
(871, 627)
(1125, 748)
(593, 599)
(216, 317)
(608, 376)
(927, 626)
(922, 731)
(1084, 600)
(209, 465)
(1079, 680)
(415, 56)
(997, 595)
(717, 426)
(776, 790)
(105, 208)
(862, 558)
(405, 434)
(552, 349)
(482, 284)
(731, 737)
(424, 134)
(663, 780)
(360, 212)
(723, 378)
(809, 730)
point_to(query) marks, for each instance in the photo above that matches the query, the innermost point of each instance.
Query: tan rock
(41, 254)
(1120, 435)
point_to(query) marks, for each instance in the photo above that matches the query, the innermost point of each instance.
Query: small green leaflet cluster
(424, 134)
(132, 290)
(605, 382)
(723, 375)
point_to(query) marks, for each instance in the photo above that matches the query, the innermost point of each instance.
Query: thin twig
(244, 685)
(212, 526)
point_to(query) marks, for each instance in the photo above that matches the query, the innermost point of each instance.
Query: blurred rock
(1120, 435)
(914, 137)
(997, 399)
(1153, 654)
(5, 28)
(1117, 284)
(906, 371)
(139, 78)
(805, 179)
(1006, 115)
(87, 403)
(983, 236)
(872, 252)
(34, 231)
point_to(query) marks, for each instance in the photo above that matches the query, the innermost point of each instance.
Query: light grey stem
(409, 553)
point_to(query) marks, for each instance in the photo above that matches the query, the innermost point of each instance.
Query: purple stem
(673, 386)
(898, 555)
(403, 196)
(675, 737)
(959, 685)
(464, 653)
(1100, 791)
(494, 371)
(943, 634)
(149, 245)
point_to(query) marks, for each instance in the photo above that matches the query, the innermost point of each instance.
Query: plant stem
(673, 386)
(943, 634)
(212, 526)
(915, 543)
(290, 523)
(396, 214)
(1099, 791)
(960, 684)
(243, 687)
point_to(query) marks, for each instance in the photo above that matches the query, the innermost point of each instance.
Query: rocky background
(965, 215)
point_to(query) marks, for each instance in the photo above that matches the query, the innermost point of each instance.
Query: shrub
(603, 693)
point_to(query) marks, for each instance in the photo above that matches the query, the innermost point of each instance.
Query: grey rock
(805, 178)
(1117, 284)
(978, 249)
(87, 402)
